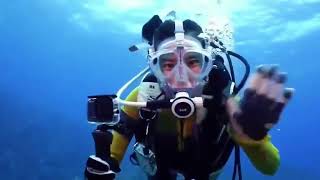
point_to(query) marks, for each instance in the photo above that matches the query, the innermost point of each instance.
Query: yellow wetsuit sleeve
(132, 112)
(263, 154)
(120, 142)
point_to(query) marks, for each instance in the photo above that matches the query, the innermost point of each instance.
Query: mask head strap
(179, 33)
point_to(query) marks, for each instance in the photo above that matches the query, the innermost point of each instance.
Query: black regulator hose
(231, 67)
(246, 75)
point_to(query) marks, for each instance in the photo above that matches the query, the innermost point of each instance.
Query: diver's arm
(111, 146)
(124, 130)
(122, 135)
(263, 154)
(258, 111)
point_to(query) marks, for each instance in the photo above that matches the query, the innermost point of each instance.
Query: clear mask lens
(180, 64)
(181, 68)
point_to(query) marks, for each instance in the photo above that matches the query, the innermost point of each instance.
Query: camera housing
(102, 109)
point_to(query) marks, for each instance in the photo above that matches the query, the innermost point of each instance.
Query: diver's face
(181, 68)
(181, 63)
(190, 61)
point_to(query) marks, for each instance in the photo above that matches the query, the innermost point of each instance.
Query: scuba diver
(186, 114)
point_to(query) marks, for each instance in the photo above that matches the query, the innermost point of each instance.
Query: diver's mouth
(183, 84)
(180, 84)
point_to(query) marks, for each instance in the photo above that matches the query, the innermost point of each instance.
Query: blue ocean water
(53, 54)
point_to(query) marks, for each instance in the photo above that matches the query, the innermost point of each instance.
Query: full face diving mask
(180, 62)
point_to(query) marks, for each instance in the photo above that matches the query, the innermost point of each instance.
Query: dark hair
(155, 31)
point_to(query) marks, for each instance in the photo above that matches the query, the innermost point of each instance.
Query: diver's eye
(168, 66)
(193, 62)
(168, 61)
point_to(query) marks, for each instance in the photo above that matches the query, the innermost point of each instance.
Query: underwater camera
(103, 109)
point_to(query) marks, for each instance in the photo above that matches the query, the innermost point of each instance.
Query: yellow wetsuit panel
(263, 154)
(132, 112)
(118, 146)
(120, 142)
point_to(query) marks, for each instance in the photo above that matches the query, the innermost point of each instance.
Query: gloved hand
(219, 77)
(260, 108)
(101, 166)
(217, 89)
(98, 169)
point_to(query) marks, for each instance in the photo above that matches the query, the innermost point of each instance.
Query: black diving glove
(98, 169)
(101, 166)
(263, 102)
(217, 88)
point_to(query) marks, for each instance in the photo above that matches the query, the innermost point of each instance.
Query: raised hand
(264, 100)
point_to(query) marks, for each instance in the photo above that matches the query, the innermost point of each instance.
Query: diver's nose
(181, 74)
